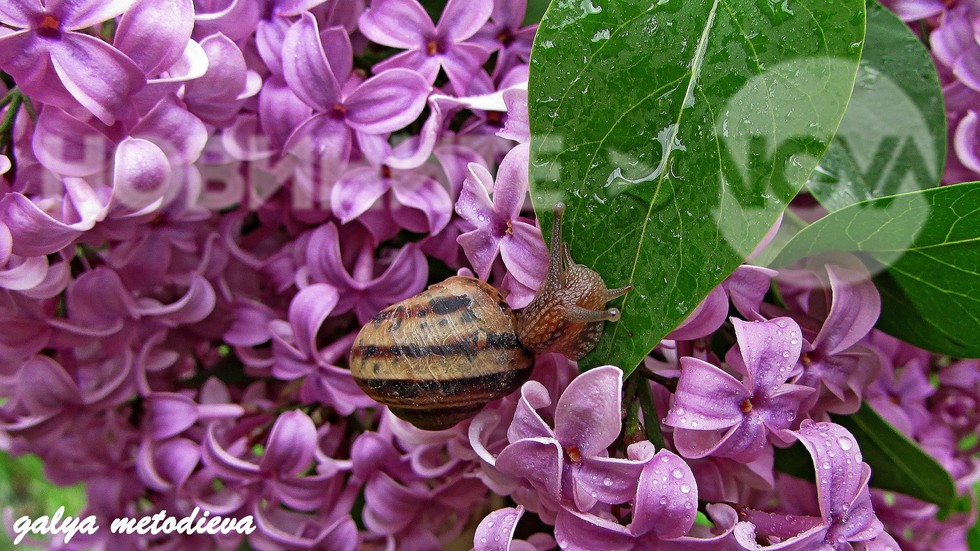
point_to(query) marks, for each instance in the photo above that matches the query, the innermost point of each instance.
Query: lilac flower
(365, 285)
(404, 24)
(359, 188)
(294, 345)
(834, 363)
(499, 227)
(278, 474)
(709, 400)
(55, 64)
(507, 34)
(846, 514)
(568, 463)
(385, 103)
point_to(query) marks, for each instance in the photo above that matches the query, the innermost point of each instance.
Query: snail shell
(437, 358)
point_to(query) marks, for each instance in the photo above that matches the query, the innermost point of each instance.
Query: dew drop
(685, 489)
(676, 473)
(845, 443)
(607, 481)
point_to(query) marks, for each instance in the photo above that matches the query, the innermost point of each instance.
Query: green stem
(632, 432)
(651, 422)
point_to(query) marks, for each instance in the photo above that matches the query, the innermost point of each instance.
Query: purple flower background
(202, 201)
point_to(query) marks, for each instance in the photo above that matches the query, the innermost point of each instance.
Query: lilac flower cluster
(203, 201)
(952, 30)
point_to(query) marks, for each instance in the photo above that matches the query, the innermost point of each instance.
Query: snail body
(437, 358)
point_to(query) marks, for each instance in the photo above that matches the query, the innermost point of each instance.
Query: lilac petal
(967, 67)
(83, 63)
(386, 511)
(22, 276)
(280, 111)
(356, 192)
(426, 194)
(770, 350)
(177, 132)
(524, 254)
(415, 151)
(78, 14)
(153, 34)
(323, 144)
(474, 203)
(396, 23)
(517, 126)
(666, 497)
(141, 175)
(249, 325)
(292, 530)
(539, 460)
(707, 398)
(292, 8)
(372, 453)
(339, 52)
(414, 60)
(464, 67)
(224, 464)
(913, 10)
(291, 444)
(745, 442)
(705, 319)
(797, 533)
(588, 412)
(307, 312)
(6, 244)
(176, 459)
(34, 232)
(214, 98)
(587, 532)
(303, 494)
(841, 475)
(481, 249)
(461, 19)
(527, 423)
(496, 531)
(306, 68)
(403, 278)
(46, 388)
(68, 146)
(606, 479)
(269, 36)
(25, 57)
(966, 140)
(387, 102)
(169, 414)
(511, 185)
(953, 37)
(20, 13)
(854, 311)
(196, 304)
(747, 286)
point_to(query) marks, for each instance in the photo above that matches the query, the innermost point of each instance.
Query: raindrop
(607, 481)
(845, 443)
(685, 488)
(676, 473)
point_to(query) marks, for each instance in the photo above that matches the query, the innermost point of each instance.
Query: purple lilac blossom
(179, 290)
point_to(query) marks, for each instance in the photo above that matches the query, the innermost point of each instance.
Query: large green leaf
(925, 246)
(676, 132)
(893, 136)
(897, 463)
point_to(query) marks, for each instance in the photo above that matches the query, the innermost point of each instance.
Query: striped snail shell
(437, 358)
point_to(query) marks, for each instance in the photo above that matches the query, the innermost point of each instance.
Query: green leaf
(925, 246)
(893, 136)
(676, 132)
(897, 463)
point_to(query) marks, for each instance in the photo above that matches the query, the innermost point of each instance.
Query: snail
(437, 358)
